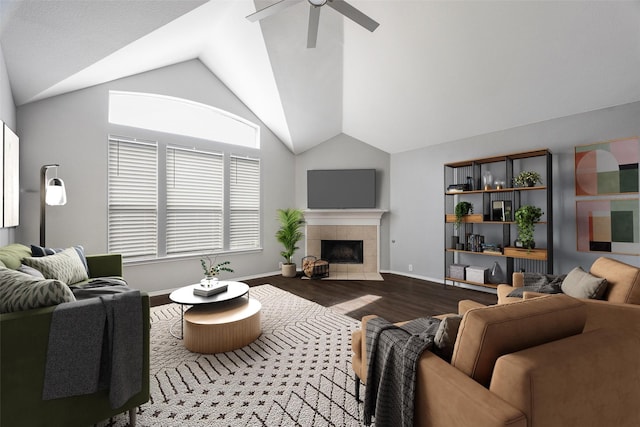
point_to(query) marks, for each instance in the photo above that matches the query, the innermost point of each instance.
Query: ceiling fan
(314, 15)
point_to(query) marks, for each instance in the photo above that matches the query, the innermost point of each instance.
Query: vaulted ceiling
(432, 72)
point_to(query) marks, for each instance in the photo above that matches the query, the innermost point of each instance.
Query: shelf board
(450, 218)
(468, 282)
(502, 158)
(495, 190)
(536, 254)
(476, 253)
(472, 218)
(510, 252)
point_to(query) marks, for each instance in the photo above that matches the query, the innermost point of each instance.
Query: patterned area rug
(298, 373)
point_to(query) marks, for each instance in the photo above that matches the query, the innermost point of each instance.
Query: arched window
(181, 117)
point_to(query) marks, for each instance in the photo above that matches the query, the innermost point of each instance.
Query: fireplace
(352, 261)
(342, 251)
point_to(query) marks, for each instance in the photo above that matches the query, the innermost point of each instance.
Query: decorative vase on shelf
(469, 183)
(209, 281)
(487, 180)
(495, 276)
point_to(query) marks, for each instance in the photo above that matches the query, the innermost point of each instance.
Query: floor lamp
(52, 193)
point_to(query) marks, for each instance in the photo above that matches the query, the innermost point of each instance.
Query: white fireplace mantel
(343, 216)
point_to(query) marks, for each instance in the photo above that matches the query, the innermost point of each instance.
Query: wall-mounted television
(341, 189)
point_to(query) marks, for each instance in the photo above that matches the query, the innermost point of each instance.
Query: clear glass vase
(209, 281)
(487, 180)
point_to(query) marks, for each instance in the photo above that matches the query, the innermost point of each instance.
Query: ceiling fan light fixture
(317, 3)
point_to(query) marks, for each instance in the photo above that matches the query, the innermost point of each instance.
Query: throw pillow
(539, 282)
(446, 334)
(65, 266)
(20, 291)
(39, 251)
(30, 271)
(580, 284)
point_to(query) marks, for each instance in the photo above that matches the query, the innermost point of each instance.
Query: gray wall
(417, 186)
(7, 115)
(345, 152)
(72, 130)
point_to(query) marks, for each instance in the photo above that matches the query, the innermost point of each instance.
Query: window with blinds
(195, 201)
(133, 197)
(244, 203)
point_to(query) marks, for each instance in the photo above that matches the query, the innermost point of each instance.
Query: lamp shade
(55, 192)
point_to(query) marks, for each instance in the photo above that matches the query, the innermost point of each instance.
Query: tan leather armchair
(526, 364)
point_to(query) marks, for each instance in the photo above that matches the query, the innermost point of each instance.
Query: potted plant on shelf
(212, 269)
(527, 179)
(462, 209)
(289, 235)
(526, 217)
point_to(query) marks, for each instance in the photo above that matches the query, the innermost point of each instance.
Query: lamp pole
(43, 204)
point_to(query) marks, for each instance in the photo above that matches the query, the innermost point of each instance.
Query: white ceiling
(433, 72)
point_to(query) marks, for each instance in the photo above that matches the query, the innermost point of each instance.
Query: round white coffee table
(221, 322)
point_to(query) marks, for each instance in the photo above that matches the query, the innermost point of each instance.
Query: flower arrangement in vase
(212, 269)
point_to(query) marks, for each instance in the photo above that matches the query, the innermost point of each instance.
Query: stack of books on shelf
(475, 242)
(458, 188)
(207, 291)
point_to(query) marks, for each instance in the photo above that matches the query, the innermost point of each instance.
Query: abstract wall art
(611, 226)
(609, 167)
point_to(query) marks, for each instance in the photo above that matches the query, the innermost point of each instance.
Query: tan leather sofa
(526, 364)
(620, 307)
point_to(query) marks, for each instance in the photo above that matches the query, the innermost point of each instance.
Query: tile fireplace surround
(346, 224)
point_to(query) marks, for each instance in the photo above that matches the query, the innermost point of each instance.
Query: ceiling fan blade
(272, 10)
(354, 14)
(314, 19)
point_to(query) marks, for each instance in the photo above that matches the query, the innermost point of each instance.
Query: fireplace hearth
(342, 251)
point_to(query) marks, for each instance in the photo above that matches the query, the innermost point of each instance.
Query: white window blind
(244, 203)
(133, 197)
(195, 200)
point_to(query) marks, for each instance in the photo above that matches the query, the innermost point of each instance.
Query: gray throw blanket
(100, 286)
(94, 344)
(392, 357)
(539, 282)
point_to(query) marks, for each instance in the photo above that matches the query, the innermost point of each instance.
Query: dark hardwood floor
(396, 298)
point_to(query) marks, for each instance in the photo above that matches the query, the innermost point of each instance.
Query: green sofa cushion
(11, 255)
(21, 291)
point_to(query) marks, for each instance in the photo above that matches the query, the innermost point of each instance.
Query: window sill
(169, 258)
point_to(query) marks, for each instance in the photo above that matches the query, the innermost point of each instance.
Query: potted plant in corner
(526, 217)
(289, 235)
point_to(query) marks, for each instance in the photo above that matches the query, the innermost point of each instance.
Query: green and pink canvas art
(611, 226)
(609, 167)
